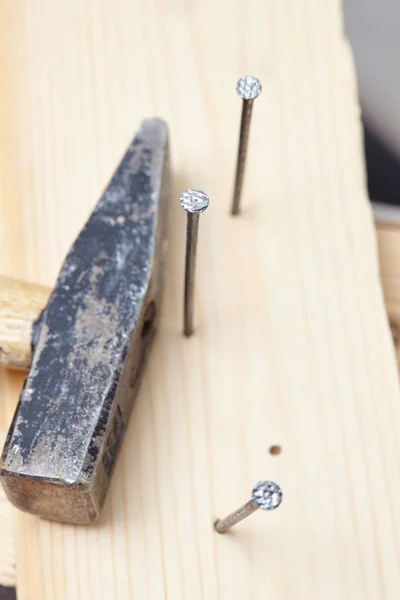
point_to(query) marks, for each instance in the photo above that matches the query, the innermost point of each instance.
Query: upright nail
(248, 88)
(194, 202)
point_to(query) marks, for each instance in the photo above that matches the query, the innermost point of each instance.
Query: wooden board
(292, 343)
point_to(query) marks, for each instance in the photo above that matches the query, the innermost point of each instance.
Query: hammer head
(91, 343)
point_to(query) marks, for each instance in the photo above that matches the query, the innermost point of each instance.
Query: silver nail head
(194, 201)
(248, 87)
(267, 495)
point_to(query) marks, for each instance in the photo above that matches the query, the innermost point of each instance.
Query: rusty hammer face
(90, 344)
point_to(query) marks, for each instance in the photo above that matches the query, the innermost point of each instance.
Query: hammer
(89, 342)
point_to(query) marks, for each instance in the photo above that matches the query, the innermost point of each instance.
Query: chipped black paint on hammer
(90, 344)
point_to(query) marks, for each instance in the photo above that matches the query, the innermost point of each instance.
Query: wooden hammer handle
(20, 305)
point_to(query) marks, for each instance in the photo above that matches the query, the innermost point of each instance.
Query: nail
(248, 88)
(266, 495)
(194, 202)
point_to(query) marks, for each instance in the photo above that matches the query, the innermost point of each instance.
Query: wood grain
(292, 344)
(20, 305)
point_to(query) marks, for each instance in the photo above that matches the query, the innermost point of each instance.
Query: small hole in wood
(275, 450)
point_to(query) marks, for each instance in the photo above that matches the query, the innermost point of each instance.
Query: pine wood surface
(292, 345)
(20, 305)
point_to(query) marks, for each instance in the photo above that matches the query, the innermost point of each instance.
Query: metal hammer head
(91, 343)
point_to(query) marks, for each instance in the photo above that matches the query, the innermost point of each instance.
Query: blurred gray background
(373, 30)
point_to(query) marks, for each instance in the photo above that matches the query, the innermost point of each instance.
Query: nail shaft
(192, 232)
(194, 202)
(247, 108)
(222, 525)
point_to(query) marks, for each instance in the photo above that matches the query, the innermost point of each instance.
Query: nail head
(248, 87)
(194, 201)
(267, 495)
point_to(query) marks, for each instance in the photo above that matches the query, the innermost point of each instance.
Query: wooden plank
(292, 344)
